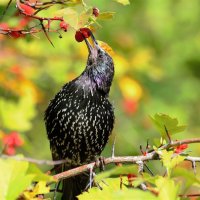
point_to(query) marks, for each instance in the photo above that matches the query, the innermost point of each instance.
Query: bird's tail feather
(74, 186)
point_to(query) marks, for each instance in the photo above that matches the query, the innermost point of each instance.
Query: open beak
(92, 48)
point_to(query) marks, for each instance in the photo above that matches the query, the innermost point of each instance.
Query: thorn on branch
(168, 135)
(148, 169)
(4, 12)
(113, 148)
(194, 167)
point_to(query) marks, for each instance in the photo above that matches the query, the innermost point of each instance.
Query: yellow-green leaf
(124, 2)
(167, 189)
(40, 188)
(165, 123)
(111, 190)
(170, 160)
(38, 174)
(13, 178)
(106, 15)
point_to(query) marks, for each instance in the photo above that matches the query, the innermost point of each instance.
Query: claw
(100, 162)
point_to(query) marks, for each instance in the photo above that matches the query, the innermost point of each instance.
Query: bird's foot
(100, 162)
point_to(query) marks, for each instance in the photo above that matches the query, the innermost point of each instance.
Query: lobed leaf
(170, 160)
(167, 188)
(111, 190)
(14, 178)
(163, 122)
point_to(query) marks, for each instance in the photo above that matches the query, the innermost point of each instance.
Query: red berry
(86, 32)
(64, 25)
(82, 33)
(95, 12)
(79, 36)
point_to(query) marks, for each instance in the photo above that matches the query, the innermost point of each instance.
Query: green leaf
(13, 178)
(145, 178)
(124, 2)
(167, 188)
(170, 160)
(70, 15)
(162, 121)
(189, 178)
(84, 17)
(116, 171)
(106, 15)
(75, 17)
(111, 190)
(38, 174)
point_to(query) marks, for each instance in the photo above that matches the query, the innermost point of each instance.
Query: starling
(80, 118)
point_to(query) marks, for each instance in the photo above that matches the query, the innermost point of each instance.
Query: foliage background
(157, 48)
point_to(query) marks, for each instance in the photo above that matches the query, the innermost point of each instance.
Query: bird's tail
(74, 186)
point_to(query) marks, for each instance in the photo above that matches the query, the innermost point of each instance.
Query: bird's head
(97, 56)
(99, 65)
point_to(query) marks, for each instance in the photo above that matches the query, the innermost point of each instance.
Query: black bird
(80, 118)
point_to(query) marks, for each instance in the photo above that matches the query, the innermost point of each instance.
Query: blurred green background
(156, 48)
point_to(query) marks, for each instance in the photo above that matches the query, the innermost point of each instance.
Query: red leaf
(181, 148)
(10, 150)
(24, 21)
(27, 10)
(144, 153)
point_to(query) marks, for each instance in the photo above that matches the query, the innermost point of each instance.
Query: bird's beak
(92, 48)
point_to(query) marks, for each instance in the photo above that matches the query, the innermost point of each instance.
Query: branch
(153, 155)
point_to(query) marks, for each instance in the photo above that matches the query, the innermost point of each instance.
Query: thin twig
(4, 12)
(35, 161)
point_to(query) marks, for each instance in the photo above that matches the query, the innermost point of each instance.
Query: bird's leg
(56, 189)
(91, 178)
